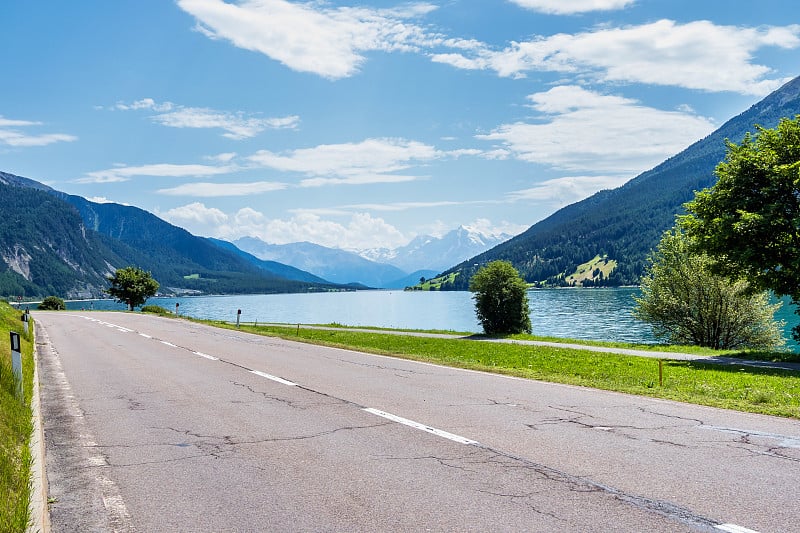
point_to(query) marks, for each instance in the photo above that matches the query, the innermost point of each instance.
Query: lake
(602, 314)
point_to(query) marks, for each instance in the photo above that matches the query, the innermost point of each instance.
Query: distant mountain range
(623, 225)
(423, 257)
(426, 252)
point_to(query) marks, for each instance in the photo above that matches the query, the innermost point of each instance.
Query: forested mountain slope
(626, 223)
(52, 243)
(45, 248)
(179, 259)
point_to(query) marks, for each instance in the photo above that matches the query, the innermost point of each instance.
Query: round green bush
(52, 303)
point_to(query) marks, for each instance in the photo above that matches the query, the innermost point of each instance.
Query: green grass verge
(756, 390)
(16, 427)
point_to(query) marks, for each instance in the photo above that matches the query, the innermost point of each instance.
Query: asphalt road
(154, 424)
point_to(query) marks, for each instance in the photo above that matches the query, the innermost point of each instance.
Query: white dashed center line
(273, 378)
(733, 528)
(423, 427)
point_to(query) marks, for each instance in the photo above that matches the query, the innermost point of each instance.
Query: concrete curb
(40, 514)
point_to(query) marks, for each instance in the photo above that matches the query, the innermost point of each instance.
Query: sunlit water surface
(592, 314)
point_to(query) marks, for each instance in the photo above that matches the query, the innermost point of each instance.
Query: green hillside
(626, 223)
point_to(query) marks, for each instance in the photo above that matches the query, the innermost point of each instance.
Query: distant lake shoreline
(600, 314)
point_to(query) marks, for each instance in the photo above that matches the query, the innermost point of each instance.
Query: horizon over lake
(600, 314)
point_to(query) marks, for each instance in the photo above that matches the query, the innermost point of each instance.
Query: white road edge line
(733, 528)
(145, 335)
(168, 343)
(211, 357)
(423, 427)
(273, 378)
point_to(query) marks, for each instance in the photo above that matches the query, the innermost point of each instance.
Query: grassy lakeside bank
(16, 426)
(742, 388)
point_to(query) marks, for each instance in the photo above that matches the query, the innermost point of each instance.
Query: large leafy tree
(686, 303)
(501, 299)
(749, 221)
(132, 286)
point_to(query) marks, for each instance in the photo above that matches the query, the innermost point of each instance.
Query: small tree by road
(132, 286)
(501, 299)
(686, 303)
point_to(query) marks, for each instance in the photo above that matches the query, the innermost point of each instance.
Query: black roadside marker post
(238, 316)
(16, 362)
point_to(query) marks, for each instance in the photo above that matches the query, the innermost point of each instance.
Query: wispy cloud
(166, 170)
(370, 161)
(569, 7)
(696, 55)
(357, 231)
(236, 125)
(403, 206)
(215, 190)
(588, 132)
(12, 135)
(564, 191)
(311, 37)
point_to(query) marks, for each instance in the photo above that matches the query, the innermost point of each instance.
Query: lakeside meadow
(739, 387)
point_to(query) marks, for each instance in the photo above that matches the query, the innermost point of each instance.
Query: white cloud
(195, 215)
(696, 55)
(100, 200)
(11, 135)
(310, 37)
(167, 170)
(145, 103)
(370, 161)
(226, 157)
(212, 190)
(585, 131)
(237, 126)
(568, 7)
(485, 226)
(360, 231)
(361, 179)
(7, 122)
(567, 190)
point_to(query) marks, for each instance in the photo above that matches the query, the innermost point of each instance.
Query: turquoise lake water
(592, 314)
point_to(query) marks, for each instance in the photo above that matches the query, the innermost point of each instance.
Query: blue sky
(362, 124)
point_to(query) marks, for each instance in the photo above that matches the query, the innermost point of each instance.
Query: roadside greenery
(686, 303)
(16, 426)
(739, 387)
(749, 221)
(156, 310)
